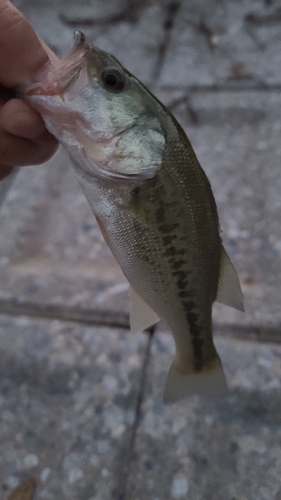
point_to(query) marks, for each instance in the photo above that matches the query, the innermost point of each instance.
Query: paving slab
(75, 413)
(211, 449)
(181, 43)
(136, 45)
(219, 41)
(68, 397)
(52, 252)
(133, 31)
(70, 419)
(237, 140)
(51, 249)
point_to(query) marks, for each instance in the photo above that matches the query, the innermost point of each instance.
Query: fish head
(106, 119)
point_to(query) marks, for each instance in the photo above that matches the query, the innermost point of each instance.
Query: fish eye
(113, 79)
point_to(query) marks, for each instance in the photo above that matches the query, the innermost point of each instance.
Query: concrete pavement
(80, 398)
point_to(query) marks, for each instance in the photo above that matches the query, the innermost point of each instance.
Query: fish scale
(152, 200)
(153, 207)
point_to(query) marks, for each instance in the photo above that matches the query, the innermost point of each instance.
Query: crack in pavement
(122, 495)
(104, 317)
(264, 19)
(207, 33)
(186, 100)
(129, 14)
(244, 85)
(171, 11)
(256, 333)
(120, 319)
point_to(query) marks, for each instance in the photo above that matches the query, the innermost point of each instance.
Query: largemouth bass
(152, 200)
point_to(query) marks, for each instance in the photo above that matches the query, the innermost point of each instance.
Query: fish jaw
(114, 146)
(56, 88)
(53, 80)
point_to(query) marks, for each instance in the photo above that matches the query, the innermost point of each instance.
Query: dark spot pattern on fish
(197, 342)
(170, 252)
(167, 240)
(197, 349)
(192, 317)
(183, 251)
(182, 275)
(189, 306)
(175, 250)
(177, 264)
(136, 191)
(160, 212)
(182, 284)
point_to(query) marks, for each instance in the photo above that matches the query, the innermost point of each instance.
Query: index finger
(21, 53)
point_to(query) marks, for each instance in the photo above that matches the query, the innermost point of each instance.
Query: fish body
(152, 200)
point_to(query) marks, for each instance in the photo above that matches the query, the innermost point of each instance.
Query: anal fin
(141, 314)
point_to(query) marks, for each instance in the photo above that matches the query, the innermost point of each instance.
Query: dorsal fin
(229, 290)
(141, 314)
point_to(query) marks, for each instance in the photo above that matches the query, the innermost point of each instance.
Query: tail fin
(209, 381)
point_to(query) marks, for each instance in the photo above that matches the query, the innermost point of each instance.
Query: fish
(152, 201)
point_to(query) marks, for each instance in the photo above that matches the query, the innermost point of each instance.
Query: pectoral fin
(141, 314)
(229, 290)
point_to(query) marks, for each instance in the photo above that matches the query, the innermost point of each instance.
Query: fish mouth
(56, 95)
(55, 80)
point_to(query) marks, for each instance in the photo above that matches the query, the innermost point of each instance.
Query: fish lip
(52, 92)
(56, 80)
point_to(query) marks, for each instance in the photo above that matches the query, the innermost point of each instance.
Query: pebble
(45, 474)
(30, 461)
(74, 475)
(179, 487)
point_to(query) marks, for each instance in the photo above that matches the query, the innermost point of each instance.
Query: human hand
(24, 139)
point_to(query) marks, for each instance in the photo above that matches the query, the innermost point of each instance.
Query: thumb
(21, 53)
